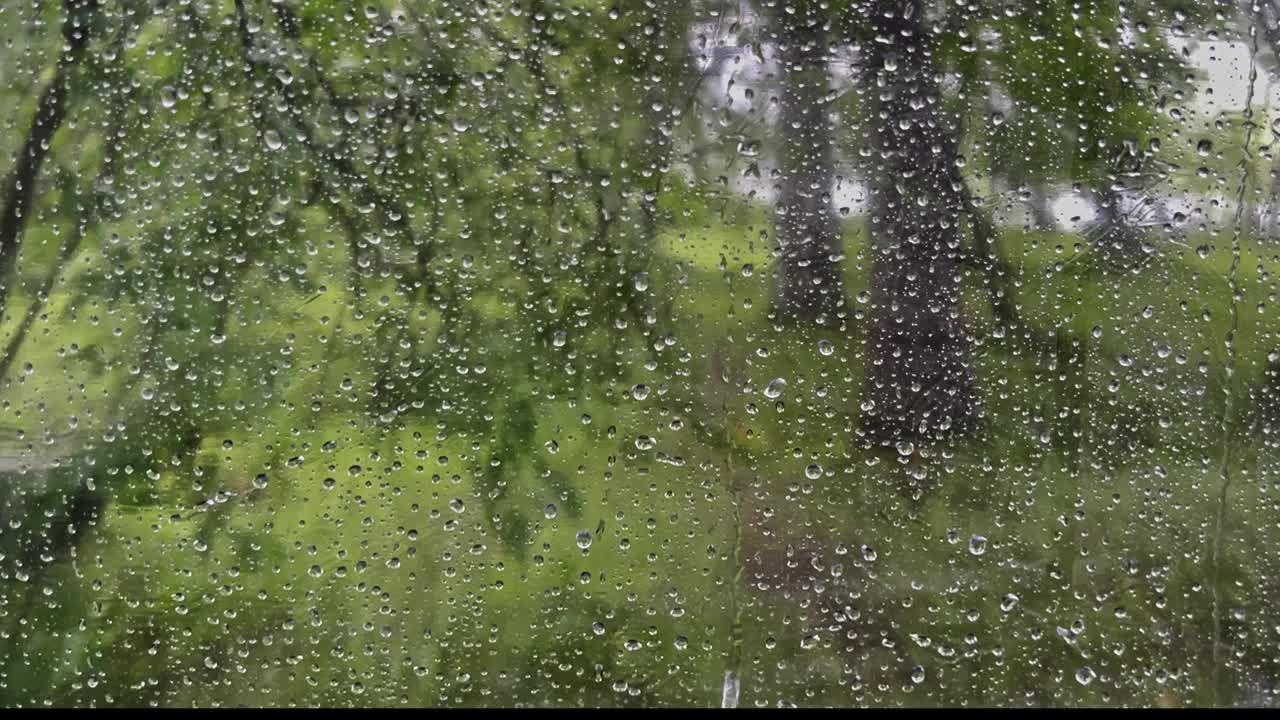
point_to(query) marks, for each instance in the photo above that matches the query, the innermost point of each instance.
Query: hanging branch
(345, 169)
(51, 111)
(92, 217)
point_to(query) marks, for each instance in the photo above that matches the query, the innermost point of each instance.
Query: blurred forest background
(639, 352)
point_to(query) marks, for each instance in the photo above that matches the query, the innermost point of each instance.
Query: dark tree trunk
(19, 336)
(918, 373)
(807, 279)
(17, 206)
(50, 112)
(90, 217)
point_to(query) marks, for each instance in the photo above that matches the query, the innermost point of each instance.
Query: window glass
(711, 353)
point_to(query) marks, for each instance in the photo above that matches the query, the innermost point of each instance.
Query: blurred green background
(463, 353)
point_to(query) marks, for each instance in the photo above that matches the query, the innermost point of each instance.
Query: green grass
(419, 596)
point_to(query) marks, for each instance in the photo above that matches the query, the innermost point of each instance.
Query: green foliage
(382, 306)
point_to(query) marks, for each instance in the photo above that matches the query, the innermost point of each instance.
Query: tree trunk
(19, 336)
(807, 279)
(17, 207)
(918, 373)
(50, 112)
(90, 216)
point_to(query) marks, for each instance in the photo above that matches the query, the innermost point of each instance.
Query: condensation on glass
(723, 353)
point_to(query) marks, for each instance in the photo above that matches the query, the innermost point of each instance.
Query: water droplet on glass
(729, 690)
(977, 545)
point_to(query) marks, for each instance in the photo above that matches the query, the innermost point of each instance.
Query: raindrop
(977, 545)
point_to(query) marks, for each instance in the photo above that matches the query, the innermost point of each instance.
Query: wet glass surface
(749, 353)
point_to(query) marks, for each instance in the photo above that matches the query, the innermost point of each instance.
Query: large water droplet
(977, 545)
(729, 690)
